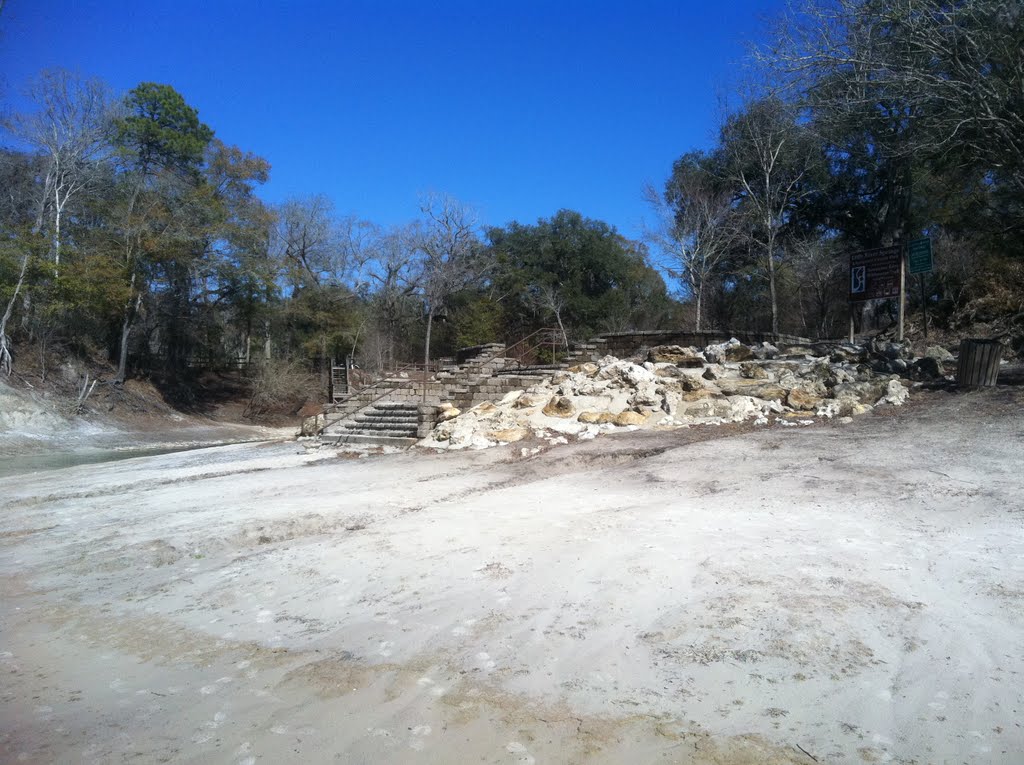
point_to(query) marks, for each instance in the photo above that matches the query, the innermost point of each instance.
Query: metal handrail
(334, 406)
(551, 336)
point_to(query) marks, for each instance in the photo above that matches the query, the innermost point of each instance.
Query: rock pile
(679, 387)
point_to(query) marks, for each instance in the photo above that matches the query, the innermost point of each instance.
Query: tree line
(865, 123)
(132, 233)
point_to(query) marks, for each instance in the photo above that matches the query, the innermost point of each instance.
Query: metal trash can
(979, 363)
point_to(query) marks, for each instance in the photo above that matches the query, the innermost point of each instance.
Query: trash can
(979, 363)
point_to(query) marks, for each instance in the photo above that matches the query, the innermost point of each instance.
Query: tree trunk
(771, 285)
(700, 305)
(426, 351)
(5, 351)
(126, 330)
(561, 328)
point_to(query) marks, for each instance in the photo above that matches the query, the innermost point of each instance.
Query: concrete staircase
(395, 411)
(392, 423)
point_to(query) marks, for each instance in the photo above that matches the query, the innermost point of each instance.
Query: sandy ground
(836, 593)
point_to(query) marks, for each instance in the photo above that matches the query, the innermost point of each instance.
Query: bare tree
(21, 210)
(551, 300)
(311, 243)
(70, 128)
(694, 228)
(5, 341)
(820, 284)
(954, 68)
(388, 271)
(450, 252)
(768, 161)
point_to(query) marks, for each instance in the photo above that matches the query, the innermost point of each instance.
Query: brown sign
(875, 274)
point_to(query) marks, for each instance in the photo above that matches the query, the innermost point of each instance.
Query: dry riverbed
(835, 593)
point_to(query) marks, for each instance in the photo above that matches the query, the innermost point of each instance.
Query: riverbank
(36, 434)
(838, 593)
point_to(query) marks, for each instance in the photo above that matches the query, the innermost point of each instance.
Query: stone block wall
(625, 344)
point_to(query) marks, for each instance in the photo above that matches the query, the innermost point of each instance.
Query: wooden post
(903, 290)
(330, 382)
(851, 322)
(924, 305)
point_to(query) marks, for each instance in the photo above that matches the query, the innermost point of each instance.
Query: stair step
(378, 440)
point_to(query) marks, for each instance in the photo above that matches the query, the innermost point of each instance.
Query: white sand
(848, 593)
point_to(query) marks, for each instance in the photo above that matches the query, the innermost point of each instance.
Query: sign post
(919, 257)
(877, 274)
(903, 292)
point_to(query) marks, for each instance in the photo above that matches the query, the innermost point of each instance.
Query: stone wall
(625, 344)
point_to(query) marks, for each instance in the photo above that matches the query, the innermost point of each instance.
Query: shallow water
(33, 463)
(21, 464)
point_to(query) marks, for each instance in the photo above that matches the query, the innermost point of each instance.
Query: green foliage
(476, 319)
(161, 130)
(574, 268)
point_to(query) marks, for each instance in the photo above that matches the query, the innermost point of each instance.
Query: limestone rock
(447, 412)
(862, 392)
(508, 435)
(738, 353)
(733, 350)
(764, 351)
(755, 388)
(629, 417)
(624, 373)
(595, 418)
(895, 394)
(795, 352)
(803, 400)
(559, 406)
(753, 371)
(525, 402)
(697, 395)
(588, 368)
(690, 383)
(676, 354)
(647, 394)
(938, 353)
(672, 372)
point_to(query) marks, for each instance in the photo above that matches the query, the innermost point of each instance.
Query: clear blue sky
(520, 108)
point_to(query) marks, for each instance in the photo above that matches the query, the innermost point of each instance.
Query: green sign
(919, 256)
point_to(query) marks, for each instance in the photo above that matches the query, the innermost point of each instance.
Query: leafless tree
(693, 229)
(312, 245)
(70, 128)
(819, 270)
(450, 254)
(767, 160)
(951, 74)
(551, 301)
(388, 271)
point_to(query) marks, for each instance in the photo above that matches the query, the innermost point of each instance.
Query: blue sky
(520, 108)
